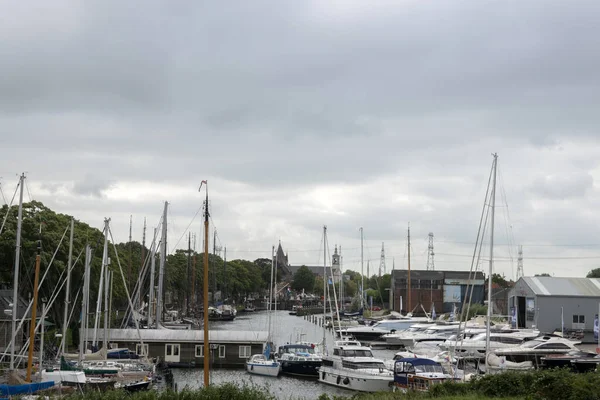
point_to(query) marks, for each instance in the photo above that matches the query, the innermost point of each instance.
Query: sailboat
(262, 364)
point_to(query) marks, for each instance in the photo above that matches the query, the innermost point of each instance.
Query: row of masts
(104, 290)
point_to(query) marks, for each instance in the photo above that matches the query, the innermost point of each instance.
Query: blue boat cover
(27, 388)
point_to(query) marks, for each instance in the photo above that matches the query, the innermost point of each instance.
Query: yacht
(394, 338)
(475, 346)
(353, 367)
(299, 359)
(533, 350)
(436, 332)
(376, 331)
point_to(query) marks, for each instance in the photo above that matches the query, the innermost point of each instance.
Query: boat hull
(356, 382)
(270, 369)
(301, 368)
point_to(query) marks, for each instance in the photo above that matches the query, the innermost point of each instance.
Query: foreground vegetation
(535, 385)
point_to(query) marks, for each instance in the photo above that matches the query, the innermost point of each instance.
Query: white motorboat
(475, 346)
(394, 338)
(258, 364)
(533, 350)
(376, 331)
(353, 367)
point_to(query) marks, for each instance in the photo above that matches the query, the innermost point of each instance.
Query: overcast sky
(309, 113)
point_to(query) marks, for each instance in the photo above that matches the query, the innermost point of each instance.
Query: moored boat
(299, 359)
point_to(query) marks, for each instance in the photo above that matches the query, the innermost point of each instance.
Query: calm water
(286, 328)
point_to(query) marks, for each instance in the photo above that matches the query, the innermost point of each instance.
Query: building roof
(180, 336)
(572, 287)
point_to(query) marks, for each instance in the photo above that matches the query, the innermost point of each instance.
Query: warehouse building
(545, 302)
(444, 289)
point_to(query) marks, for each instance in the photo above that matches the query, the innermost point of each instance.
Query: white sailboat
(262, 364)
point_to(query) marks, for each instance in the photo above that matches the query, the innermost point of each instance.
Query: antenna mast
(520, 272)
(382, 261)
(430, 254)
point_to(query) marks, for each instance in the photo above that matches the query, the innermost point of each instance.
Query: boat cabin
(417, 373)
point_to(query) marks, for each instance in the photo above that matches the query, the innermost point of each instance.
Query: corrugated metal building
(546, 301)
(442, 288)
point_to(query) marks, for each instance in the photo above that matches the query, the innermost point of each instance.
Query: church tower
(335, 264)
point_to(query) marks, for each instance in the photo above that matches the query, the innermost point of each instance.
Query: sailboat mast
(409, 309)
(205, 294)
(34, 309)
(188, 300)
(15, 299)
(63, 342)
(101, 284)
(341, 280)
(489, 309)
(105, 261)
(152, 271)
(130, 267)
(161, 272)
(271, 292)
(325, 282)
(85, 303)
(143, 260)
(362, 270)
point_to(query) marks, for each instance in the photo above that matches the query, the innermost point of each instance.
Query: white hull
(69, 378)
(353, 381)
(270, 369)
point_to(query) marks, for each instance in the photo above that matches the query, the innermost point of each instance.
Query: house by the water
(185, 348)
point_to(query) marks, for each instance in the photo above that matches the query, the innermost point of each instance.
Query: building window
(200, 351)
(582, 319)
(141, 350)
(245, 351)
(579, 319)
(221, 351)
(172, 350)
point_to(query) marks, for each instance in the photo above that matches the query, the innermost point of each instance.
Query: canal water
(285, 329)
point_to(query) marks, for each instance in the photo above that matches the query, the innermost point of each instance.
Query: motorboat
(576, 360)
(433, 332)
(394, 338)
(352, 366)
(533, 350)
(418, 374)
(475, 346)
(375, 332)
(299, 359)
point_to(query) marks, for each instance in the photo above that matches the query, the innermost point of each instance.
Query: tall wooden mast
(205, 290)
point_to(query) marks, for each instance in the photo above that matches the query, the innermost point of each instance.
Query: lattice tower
(430, 254)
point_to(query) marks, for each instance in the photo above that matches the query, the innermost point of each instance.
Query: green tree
(500, 281)
(595, 273)
(544, 274)
(303, 279)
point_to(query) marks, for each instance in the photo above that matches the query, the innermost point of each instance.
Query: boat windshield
(356, 353)
(364, 365)
(429, 368)
(532, 343)
(302, 349)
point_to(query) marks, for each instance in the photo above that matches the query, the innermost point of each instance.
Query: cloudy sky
(301, 114)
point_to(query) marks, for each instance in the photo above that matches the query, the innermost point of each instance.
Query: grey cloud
(563, 186)
(283, 96)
